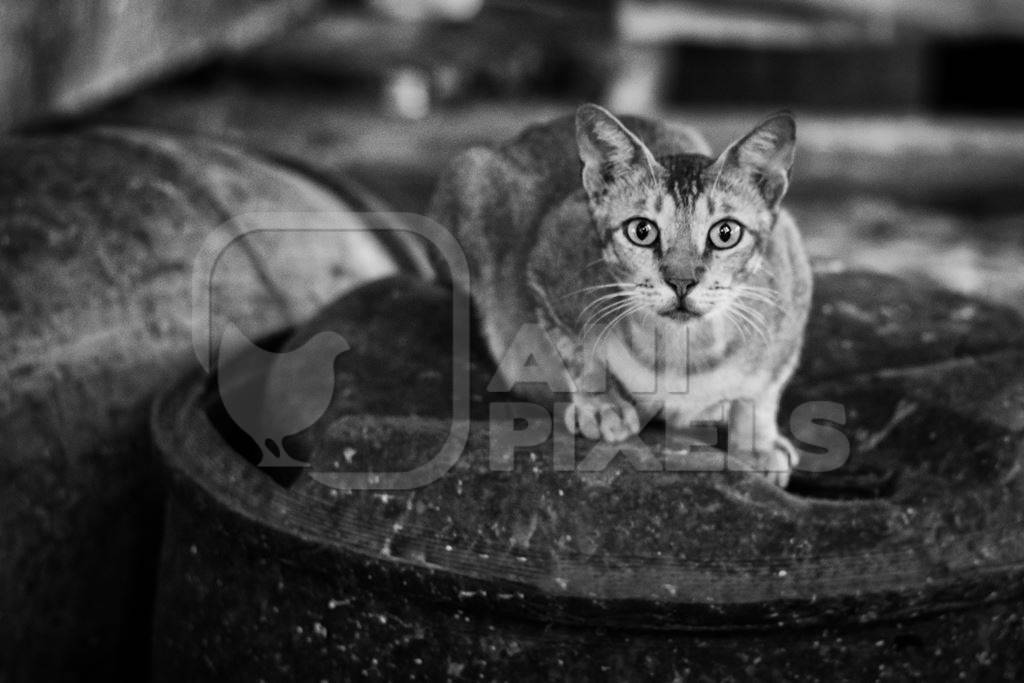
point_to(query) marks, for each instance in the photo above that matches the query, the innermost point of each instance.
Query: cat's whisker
(594, 321)
(749, 329)
(593, 288)
(731, 317)
(756, 288)
(763, 302)
(604, 302)
(749, 305)
(605, 312)
(615, 321)
(737, 324)
(601, 301)
(744, 313)
(759, 294)
(765, 292)
(611, 310)
(753, 312)
(758, 321)
(764, 296)
(737, 306)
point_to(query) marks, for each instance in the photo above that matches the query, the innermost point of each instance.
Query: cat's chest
(685, 390)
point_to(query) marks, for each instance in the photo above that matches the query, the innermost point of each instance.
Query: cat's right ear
(609, 151)
(765, 155)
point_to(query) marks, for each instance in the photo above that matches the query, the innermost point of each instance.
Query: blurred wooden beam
(763, 25)
(765, 22)
(63, 56)
(938, 17)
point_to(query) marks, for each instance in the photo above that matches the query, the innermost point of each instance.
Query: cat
(670, 281)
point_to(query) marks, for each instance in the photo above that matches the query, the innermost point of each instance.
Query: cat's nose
(682, 286)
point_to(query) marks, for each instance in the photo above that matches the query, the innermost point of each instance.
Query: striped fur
(541, 220)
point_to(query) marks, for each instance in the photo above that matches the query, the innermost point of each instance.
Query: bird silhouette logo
(273, 395)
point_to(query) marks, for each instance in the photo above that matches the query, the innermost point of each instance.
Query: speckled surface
(99, 234)
(906, 561)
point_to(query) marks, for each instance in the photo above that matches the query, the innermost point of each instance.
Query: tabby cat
(671, 282)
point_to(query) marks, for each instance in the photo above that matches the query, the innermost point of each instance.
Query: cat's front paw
(600, 416)
(780, 462)
(775, 463)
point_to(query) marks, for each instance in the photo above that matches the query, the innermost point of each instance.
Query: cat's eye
(641, 231)
(725, 234)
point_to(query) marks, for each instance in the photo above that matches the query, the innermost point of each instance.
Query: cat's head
(685, 234)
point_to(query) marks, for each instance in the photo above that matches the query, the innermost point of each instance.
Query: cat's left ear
(610, 152)
(766, 155)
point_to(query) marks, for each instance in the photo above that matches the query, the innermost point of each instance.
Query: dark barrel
(903, 560)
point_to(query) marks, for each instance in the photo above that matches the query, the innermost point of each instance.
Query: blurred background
(910, 113)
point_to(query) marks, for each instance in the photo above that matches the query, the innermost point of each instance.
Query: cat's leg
(755, 443)
(599, 408)
(607, 414)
